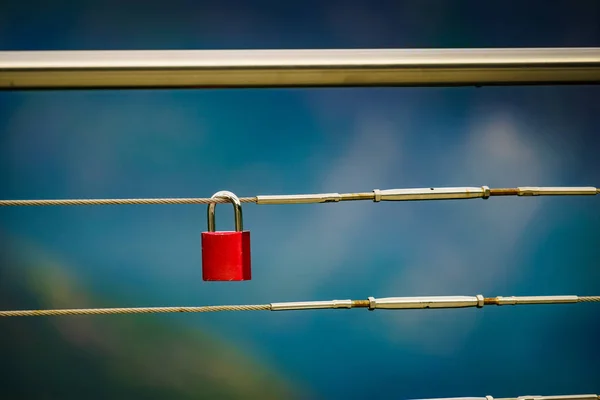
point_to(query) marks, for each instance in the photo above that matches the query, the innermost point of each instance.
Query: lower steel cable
(386, 303)
(139, 310)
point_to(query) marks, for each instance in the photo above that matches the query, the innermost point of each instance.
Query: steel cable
(386, 303)
(96, 202)
(139, 310)
(452, 193)
(588, 299)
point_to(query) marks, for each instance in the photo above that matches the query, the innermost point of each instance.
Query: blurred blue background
(193, 143)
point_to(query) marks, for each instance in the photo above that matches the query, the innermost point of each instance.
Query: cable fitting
(556, 191)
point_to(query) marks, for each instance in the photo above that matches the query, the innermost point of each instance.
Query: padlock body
(226, 256)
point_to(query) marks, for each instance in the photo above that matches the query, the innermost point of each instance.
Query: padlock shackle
(237, 209)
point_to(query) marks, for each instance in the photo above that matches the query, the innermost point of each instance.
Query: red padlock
(226, 255)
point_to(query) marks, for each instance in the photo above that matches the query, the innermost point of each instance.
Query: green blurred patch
(110, 356)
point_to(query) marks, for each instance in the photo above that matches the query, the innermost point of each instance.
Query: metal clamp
(311, 305)
(556, 191)
(431, 194)
(403, 303)
(299, 198)
(513, 300)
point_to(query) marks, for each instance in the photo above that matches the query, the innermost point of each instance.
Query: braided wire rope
(95, 202)
(583, 299)
(139, 310)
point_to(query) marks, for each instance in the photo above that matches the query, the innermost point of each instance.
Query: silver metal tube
(299, 198)
(551, 191)
(564, 397)
(311, 305)
(296, 68)
(401, 303)
(460, 398)
(513, 300)
(432, 193)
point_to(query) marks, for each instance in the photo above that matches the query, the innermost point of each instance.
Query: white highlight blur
(498, 149)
